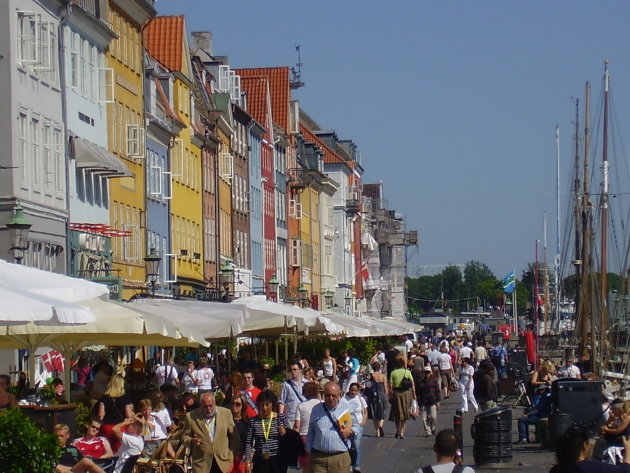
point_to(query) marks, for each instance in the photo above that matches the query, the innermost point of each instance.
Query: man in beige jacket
(214, 441)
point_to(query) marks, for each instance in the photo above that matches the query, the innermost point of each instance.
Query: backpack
(498, 356)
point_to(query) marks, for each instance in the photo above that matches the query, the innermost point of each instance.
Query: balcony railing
(90, 6)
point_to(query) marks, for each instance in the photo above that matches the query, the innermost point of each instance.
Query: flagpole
(514, 308)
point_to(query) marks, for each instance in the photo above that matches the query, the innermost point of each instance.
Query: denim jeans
(523, 426)
(355, 441)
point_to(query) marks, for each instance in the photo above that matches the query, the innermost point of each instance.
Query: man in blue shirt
(291, 395)
(328, 442)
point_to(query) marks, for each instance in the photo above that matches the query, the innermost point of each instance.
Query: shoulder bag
(352, 450)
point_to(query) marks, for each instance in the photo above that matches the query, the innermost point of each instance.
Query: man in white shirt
(466, 352)
(481, 353)
(569, 370)
(167, 374)
(447, 453)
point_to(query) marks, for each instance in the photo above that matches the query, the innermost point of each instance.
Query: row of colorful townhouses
(142, 160)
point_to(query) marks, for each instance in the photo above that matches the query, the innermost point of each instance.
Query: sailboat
(601, 330)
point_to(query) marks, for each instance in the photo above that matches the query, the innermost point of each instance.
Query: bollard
(458, 427)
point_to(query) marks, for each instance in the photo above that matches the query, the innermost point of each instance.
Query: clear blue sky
(453, 104)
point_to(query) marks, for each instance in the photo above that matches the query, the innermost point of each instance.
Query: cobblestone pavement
(390, 455)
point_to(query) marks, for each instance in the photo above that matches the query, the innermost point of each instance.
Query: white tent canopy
(46, 283)
(210, 320)
(19, 306)
(267, 317)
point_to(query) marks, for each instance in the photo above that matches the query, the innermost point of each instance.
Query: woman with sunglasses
(92, 445)
(238, 406)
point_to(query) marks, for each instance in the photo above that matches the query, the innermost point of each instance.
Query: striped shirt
(256, 441)
(322, 435)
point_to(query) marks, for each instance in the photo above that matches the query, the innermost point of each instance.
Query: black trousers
(273, 464)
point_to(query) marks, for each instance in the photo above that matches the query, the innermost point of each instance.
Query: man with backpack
(447, 454)
(500, 359)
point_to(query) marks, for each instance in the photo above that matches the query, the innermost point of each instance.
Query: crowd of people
(315, 419)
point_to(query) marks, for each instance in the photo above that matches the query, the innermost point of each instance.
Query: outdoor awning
(96, 158)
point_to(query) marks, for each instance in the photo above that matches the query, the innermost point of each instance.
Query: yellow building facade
(124, 65)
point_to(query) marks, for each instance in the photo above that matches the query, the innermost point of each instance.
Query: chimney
(202, 40)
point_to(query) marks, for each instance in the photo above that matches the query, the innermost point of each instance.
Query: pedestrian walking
(467, 385)
(327, 437)
(358, 411)
(485, 389)
(328, 366)
(291, 395)
(204, 376)
(376, 393)
(445, 366)
(428, 395)
(212, 436)
(401, 393)
(262, 452)
(447, 454)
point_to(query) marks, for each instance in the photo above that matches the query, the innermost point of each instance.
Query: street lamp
(226, 277)
(303, 292)
(152, 265)
(273, 287)
(18, 231)
(328, 298)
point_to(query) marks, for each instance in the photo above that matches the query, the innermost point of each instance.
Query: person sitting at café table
(60, 390)
(154, 431)
(7, 399)
(71, 459)
(92, 445)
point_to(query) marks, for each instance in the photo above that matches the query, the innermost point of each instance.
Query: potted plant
(24, 448)
(267, 363)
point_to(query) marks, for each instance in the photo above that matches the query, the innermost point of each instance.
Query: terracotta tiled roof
(164, 40)
(257, 91)
(280, 90)
(330, 157)
(372, 190)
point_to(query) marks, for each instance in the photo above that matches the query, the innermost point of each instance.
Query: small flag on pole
(509, 283)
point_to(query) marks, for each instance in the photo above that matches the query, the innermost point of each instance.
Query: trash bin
(559, 422)
(492, 432)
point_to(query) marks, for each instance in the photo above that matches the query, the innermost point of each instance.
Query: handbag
(352, 450)
(454, 386)
(414, 410)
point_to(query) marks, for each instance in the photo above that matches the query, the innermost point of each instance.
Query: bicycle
(519, 398)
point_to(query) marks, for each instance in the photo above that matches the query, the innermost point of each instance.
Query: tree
(423, 292)
(475, 273)
(452, 286)
(491, 291)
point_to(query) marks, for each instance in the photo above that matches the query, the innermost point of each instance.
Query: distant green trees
(476, 286)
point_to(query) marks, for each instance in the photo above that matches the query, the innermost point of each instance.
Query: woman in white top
(446, 369)
(189, 378)
(467, 385)
(204, 376)
(358, 410)
(329, 366)
(303, 416)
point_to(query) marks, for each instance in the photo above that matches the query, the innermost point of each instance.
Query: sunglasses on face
(237, 403)
(97, 427)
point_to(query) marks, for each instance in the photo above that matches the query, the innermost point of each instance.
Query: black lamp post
(226, 278)
(152, 265)
(273, 288)
(328, 298)
(303, 292)
(19, 227)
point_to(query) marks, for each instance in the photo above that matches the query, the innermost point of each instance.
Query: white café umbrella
(267, 317)
(210, 320)
(46, 283)
(116, 324)
(19, 307)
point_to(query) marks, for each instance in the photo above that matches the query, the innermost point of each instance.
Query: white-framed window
(106, 84)
(226, 166)
(23, 149)
(74, 40)
(28, 37)
(224, 78)
(295, 208)
(235, 87)
(48, 166)
(294, 116)
(135, 141)
(131, 247)
(35, 152)
(296, 252)
(177, 158)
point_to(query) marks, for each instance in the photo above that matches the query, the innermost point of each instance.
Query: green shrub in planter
(24, 448)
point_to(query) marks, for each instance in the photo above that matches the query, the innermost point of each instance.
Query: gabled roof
(257, 89)
(165, 39)
(330, 157)
(279, 86)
